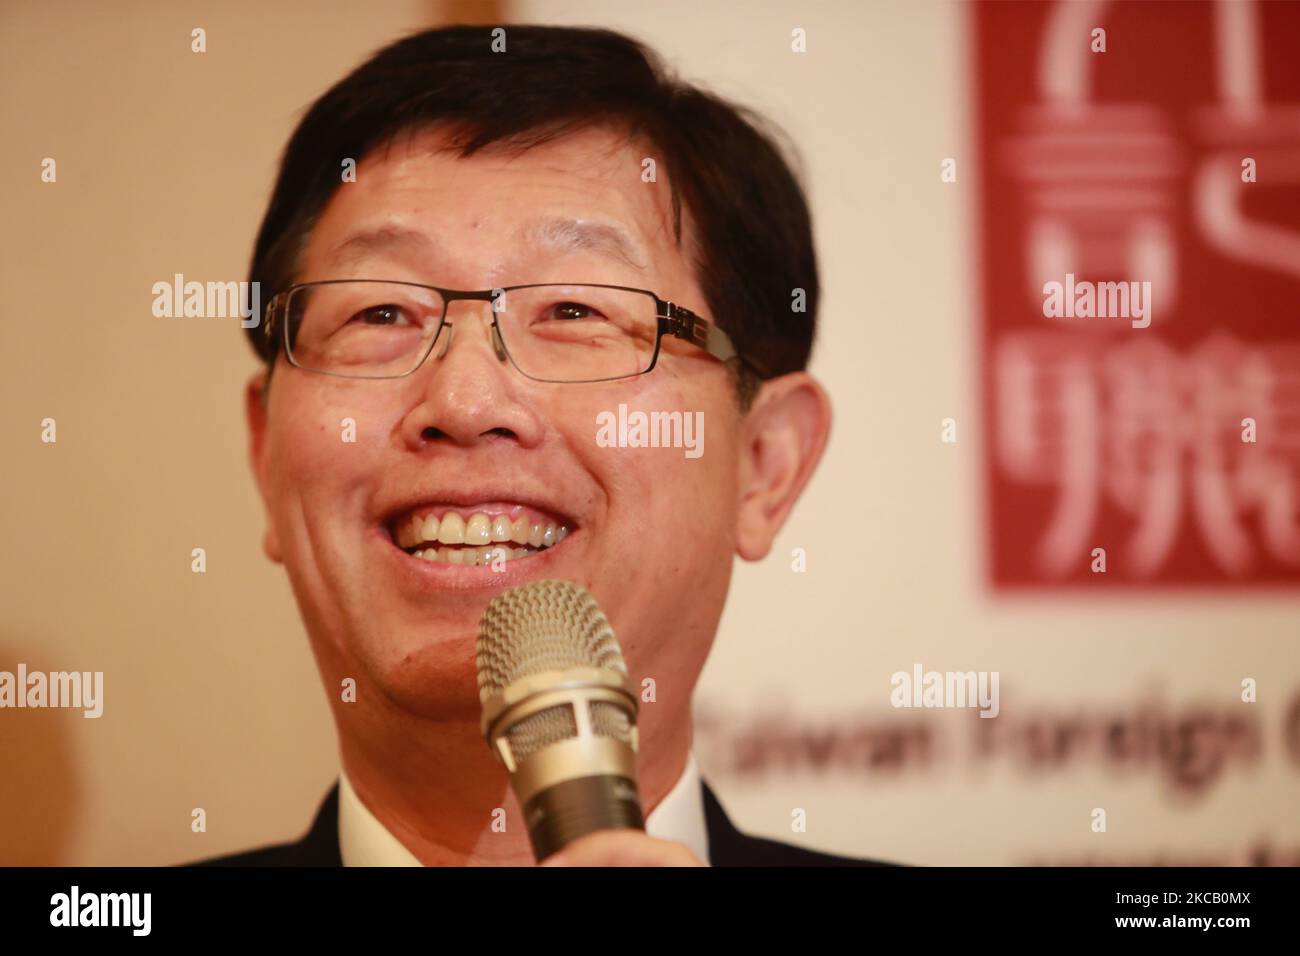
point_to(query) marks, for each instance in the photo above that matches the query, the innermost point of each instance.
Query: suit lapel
(727, 845)
(320, 847)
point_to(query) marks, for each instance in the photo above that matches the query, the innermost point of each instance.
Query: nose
(468, 394)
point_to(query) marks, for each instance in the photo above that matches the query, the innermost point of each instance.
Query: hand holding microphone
(622, 848)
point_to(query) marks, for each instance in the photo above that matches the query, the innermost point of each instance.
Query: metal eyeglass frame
(675, 320)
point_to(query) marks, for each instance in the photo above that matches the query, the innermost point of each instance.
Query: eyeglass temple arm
(684, 324)
(274, 306)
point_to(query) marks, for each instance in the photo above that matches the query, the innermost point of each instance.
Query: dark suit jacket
(727, 845)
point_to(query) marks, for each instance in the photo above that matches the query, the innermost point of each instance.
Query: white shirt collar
(364, 841)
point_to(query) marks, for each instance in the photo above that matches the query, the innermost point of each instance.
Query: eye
(573, 310)
(381, 315)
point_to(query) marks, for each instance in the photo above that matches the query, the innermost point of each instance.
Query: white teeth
(519, 530)
(476, 557)
(452, 530)
(478, 530)
(428, 528)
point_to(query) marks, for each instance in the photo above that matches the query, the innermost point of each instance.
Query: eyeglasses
(553, 332)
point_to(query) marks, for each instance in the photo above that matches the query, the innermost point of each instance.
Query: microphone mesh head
(543, 626)
(548, 626)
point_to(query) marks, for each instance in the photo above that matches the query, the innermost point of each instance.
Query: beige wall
(165, 158)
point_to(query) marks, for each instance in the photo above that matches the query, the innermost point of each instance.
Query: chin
(432, 678)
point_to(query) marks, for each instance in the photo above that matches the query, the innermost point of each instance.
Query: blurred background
(957, 156)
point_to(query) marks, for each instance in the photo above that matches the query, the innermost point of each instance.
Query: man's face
(651, 531)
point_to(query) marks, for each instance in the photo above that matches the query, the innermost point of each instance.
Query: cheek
(324, 439)
(677, 502)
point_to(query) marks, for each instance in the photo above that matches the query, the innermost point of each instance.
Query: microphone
(559, 711)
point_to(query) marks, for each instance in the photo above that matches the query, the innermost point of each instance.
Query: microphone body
(559, 712)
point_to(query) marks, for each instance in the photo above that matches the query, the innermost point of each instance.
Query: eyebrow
(391, 240)
(556, 234)
(585, 235)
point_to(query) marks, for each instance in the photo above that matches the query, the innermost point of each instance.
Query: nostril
(432, 434)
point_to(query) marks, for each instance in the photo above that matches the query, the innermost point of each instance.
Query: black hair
(752, 246)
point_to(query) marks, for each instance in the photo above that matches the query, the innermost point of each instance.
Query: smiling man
(533, 238)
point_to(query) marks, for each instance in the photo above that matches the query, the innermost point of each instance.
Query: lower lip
(441, 576)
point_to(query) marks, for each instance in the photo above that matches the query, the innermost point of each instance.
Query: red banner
(1140, 256)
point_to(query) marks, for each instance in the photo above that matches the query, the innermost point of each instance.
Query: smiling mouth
(476, 537)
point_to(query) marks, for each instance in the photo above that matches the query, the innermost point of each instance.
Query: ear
(255, 402)
(783, 437)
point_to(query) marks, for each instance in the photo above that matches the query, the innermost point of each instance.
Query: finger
(622, 848)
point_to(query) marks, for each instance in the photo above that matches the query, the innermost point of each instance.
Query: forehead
(582, 195)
